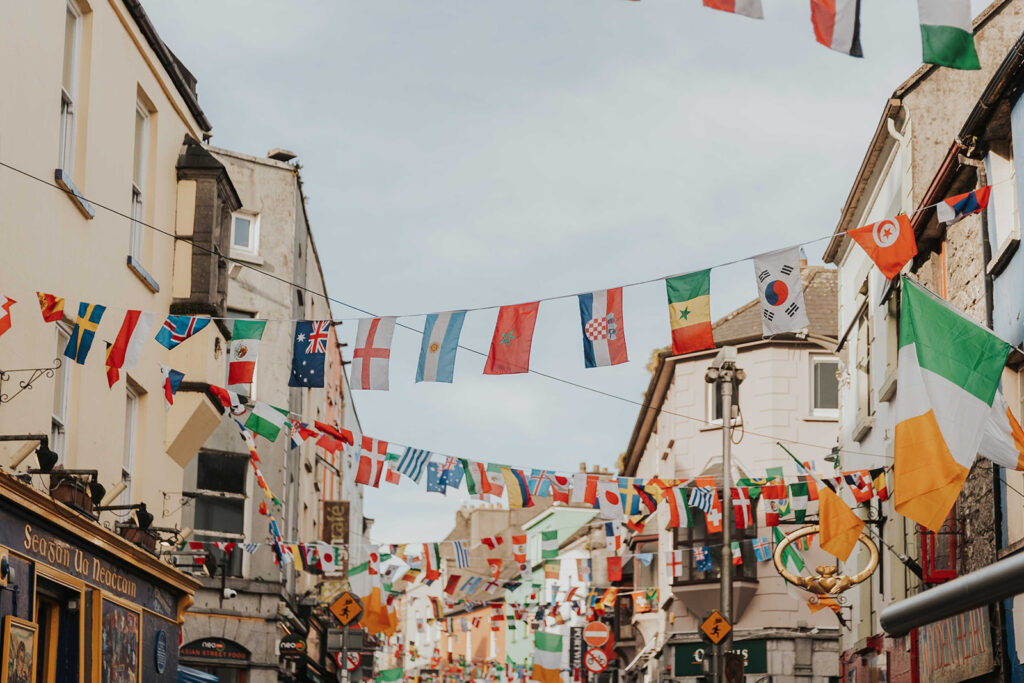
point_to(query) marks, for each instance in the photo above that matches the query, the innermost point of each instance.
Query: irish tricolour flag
(948, 380)
(947, 36)
(547, 657)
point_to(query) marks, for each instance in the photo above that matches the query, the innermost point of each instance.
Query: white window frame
(139, 161)
(817, 359)
(131, 426)
(69, 99)
(59, 422)
(253, 248)
(709, 394)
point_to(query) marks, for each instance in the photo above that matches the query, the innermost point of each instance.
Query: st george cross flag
(178, 328)
(413, 462)
(512, 339)
(837, 25)
(748, 8)
(243, 351)
(604, 332)
(309, 353)
(371, 357)
(890, 243)
(170, 381)
(781, 292)
(127, 347)
(440, 342)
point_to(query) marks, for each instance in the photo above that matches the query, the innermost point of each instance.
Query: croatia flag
(604, 334)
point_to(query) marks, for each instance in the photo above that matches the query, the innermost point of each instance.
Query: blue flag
(85, 330)
(703, 556)
(178, 328)
(437, 351)
(451, 473)
(435, 477)
(309, 353)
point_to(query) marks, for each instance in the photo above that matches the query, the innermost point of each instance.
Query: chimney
(283, 155)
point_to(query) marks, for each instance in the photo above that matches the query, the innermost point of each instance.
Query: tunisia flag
(513, 336)
(890, 243)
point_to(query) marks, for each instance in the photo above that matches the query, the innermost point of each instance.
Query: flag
(229, 399)
(583, 569)
(547, 657)
(52, 307)
(518, 491)
(791, 559)
(737, 553)
(860, 485)
(679, 511)
(372, 458)
(389, 675)
(615, 568)
(435, 478)
(476, 477)
(127, 347)
(549, 544)
(947, 35)
(776, 503)
(703, 558)
(584, 489)
(412, 463)
(519, 548)
(437, 350)
(839, 526)
(612, 539)
(539, 483)
(266, 420)
(837, 25)
(309, 353)
(89, 316)
(496, 480)
(178, 328)
(492, 542)
(451, 473)
(631, 498)
(713, 519)
(703, 498)
(890, 243)
(371, 357)
(608, 599)
(743, 514)
(512, 339)
(689, 311)
(948, 372)
(243, 351)
(748, 8)
(113, 374)
(780, 291)
(298, 432)
(5, 318)
(170, 380)
(452, 584)
(955, 209)
(609, 500)
(879, 482)
(559, 487)
(495, 564)
(762, 550)
(604, 332)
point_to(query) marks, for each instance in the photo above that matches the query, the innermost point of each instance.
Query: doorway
(58, 616)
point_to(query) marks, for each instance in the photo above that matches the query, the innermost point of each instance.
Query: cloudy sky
(470, 153)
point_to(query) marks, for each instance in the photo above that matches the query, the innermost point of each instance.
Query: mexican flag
(948, 374)
(547, 657)
(243, 350)
(947, 36)
(266, 420)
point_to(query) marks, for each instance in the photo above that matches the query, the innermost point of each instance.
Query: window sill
(718, 425)
(247, 257)
(821, 418)
(141, 273)
(863, 428)
(888, 389)
(73, 194)
(1004, 255)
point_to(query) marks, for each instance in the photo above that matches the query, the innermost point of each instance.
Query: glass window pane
(243, 227)
(140, 148)
(826, 385)
(221, 473)
(220, 514)
(70, 34)
(59, 381)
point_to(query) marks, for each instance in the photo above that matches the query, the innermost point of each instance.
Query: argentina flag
(437, 351)
(412, 463)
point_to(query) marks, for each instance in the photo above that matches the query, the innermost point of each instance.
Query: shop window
(689, 540)
(824, 386)
(61, 389)
(940, 551)
(220, 504)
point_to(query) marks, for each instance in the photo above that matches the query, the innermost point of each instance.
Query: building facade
(790, 392)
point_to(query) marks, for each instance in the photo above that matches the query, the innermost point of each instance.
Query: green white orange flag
(689, 310)
(948, 377)
(547, 657)
(947, 35)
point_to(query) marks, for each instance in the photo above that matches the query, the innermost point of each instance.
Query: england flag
(604, 334)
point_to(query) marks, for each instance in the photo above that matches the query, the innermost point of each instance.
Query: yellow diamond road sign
(715, 627)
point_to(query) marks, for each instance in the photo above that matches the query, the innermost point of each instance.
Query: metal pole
(343, 676)
(726, 378)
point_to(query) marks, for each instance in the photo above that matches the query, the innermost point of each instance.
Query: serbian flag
(513, 336)
(748, 8)
(127, 347)
(604, 333)
(837, 25)
(954, 209)
(171, 382)
(889, 243)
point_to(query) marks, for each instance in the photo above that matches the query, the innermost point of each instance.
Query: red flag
(513, 336)
(453, 582)
(890, 243)
(614, 568)
(52, 307)
(5, 317)
(333, 439)
(495, 564)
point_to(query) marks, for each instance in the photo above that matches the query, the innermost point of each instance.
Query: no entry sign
(596, 634)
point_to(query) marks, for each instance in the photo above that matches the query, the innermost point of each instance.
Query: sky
(473, 153)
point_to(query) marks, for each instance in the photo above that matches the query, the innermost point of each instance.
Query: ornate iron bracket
(34, 374)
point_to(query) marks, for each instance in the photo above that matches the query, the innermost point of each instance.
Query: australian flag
(435, 477)
(309, 353)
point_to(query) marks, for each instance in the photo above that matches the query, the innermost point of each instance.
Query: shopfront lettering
(62, 555)
(956, 648)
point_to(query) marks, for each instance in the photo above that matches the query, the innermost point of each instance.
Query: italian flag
(266, 420)
(243, 351)
(947, 36)
(549, 544)
(948, 377)
(547, 657)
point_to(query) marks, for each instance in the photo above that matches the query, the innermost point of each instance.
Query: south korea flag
(781, 292)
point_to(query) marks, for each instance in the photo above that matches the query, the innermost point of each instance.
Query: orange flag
(889, 243)
(839, 525)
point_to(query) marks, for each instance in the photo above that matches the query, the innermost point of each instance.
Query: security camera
(229, 593)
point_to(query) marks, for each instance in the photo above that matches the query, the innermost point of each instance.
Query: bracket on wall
(33, 375)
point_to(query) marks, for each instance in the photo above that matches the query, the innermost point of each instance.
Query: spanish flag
(689, 310)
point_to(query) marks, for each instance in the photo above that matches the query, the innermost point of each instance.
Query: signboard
(292, 645)
(214, 648)
(344, 639)
(596, 634)
(350, 662)
(335, 521)
(956, 648)
(347, 608)
(160, 651)
(690, 656)
(715, 627)
(595, 661)
(576, 653)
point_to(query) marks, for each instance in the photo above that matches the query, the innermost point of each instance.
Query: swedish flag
(85, 329)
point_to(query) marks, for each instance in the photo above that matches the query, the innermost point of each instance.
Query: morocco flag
(889, 243)
(689, 309)
(513, 336)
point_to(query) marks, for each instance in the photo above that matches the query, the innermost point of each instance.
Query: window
(645, 575)
(999, 162)
(714, 403)
(221, 483)
(940, 551)
(139, 155)
(824, 386)
(623, 620)
(69, 87)
(245, 233)
(688, 540)
(61, 389)
(862, 371)
(131, 421)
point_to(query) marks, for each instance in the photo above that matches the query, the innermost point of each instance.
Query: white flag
(781, 292)
(609, 500)
(371, 357)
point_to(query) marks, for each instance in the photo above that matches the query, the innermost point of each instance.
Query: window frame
(238, 562)
(131, 425)
(816, 360)
(59, 423)
(948, 534)
(745, 572)
(69, 100)
(140, 160)
(711, 401)
(252, 249)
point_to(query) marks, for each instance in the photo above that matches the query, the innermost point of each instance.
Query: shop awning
(189, 675)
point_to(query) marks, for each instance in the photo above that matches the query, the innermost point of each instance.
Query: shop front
(80, 603)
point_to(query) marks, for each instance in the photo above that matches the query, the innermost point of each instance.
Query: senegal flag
(689, 310)
(948, 376)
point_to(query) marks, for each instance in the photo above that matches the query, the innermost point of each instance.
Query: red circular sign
(596, 634)
(595, 661)
(352, 660)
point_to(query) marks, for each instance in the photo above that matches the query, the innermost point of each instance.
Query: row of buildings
(111, 194)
